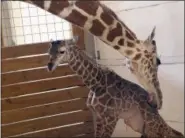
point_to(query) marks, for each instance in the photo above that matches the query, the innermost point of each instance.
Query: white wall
(141, 17)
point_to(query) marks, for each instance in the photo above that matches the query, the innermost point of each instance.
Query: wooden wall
(34, 101)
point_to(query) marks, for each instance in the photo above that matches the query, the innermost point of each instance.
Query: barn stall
(22, 28)
(36, 103)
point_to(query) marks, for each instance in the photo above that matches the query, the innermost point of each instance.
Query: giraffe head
(145, 66)
(58, 52)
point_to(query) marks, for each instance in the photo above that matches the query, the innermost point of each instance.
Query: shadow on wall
(173, 95)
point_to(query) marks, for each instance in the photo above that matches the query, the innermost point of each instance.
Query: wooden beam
(45, 123)
(34, 74)
(43, 98)
(40, 86)
(34, 49)
(24, 50)
(24, 63)
(43, 110)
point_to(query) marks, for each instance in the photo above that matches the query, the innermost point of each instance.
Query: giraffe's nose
(50, 66)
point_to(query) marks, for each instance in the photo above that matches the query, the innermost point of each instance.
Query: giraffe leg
(105, 126)
(134, 119)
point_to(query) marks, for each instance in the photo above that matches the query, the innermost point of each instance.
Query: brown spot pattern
(93, 82)
(76, 18)
(97, 28)
(129, 36)
(129, 52)
(104, 99)
(85, 74)
(129, 44)
(137, 57)
(98, 76)
(108, 19)
(85, 63)
(138, 50)
(131, 33)
(94, 72)
(137, 41)
(75, 66)
(99, 108)
(115, 33)
(90, 67)
(90, 7)
(80, 71)
(57, 6)
(147, 55)
(121, 41)
(72, 62)
(116, 47)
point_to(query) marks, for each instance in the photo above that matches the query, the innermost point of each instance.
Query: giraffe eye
(62, 52)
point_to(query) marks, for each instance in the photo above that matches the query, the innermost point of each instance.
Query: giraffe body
(103, 23)
(111, 97)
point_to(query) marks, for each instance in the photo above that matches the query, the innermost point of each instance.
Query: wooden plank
(33, 49)
(43, 110)
(44, 123)
(35, 74)
(24, 50)
(24, 63)
(43, 98)
(40, 86)
(68, 131)
(77, 31)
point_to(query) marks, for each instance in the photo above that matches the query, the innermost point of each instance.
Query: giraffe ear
(49, 47)
(152, 35)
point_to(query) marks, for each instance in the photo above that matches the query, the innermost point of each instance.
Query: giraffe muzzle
(50, 66)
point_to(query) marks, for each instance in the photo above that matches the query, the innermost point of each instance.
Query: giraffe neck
(96, 18)
(91, 74)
